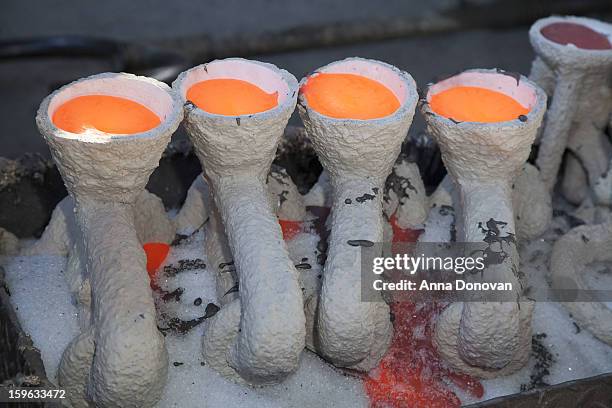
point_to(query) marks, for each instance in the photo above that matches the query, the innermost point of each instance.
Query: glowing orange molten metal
(349, 96)
(109, 114)
(412, 374)
(231, 97)
(156, 252)
(474, 104)
(577, 34)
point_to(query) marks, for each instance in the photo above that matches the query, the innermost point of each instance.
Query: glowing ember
(109, 114)
(412, 374)
(403, 234)
(474, 104)
(156, 252)
(231, 97)
(577, 34)
(290, 228)
(349, 96)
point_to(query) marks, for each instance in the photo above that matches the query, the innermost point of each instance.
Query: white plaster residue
(320, 194)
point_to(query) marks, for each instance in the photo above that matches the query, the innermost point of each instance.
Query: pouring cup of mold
(235, 114)
(357, 113)
(106, 134)
(574, 65)
(485, 122)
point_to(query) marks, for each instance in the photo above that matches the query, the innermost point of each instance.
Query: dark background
(162, 37)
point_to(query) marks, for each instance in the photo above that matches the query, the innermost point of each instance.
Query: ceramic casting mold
(289, 205)
(358, 155)
(119, 359)
(530, 200)
(236, 153)
(62, 236)
(9, 243)
(570, 256)
(578, 82)
(405, 198)
(221, 330)
(487, 339)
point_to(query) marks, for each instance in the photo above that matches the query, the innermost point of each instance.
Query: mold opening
(141, 91)
(373, 70)
(266, 79)
(518, 97)
(576, 33)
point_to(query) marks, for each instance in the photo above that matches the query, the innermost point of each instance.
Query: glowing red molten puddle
(412, 374)
(290, 228)
(156, 252)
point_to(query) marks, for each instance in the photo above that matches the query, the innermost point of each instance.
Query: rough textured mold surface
(571, 255)
(405, 197)
(603, 187)
(578, 82)
(531, 202)
(483, 159)
(195, 210)
(285, 199)
(358, 155)
(9, 243)
(60, 235)
(222, 329)
(236, 153)
(119, 359)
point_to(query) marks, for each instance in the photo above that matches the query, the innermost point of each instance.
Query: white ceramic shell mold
(62, 237)
(358, 155)
(285, 199)
(578, 81)
(120, 360)
(486, 339)
(570, 256)
(236, 153)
